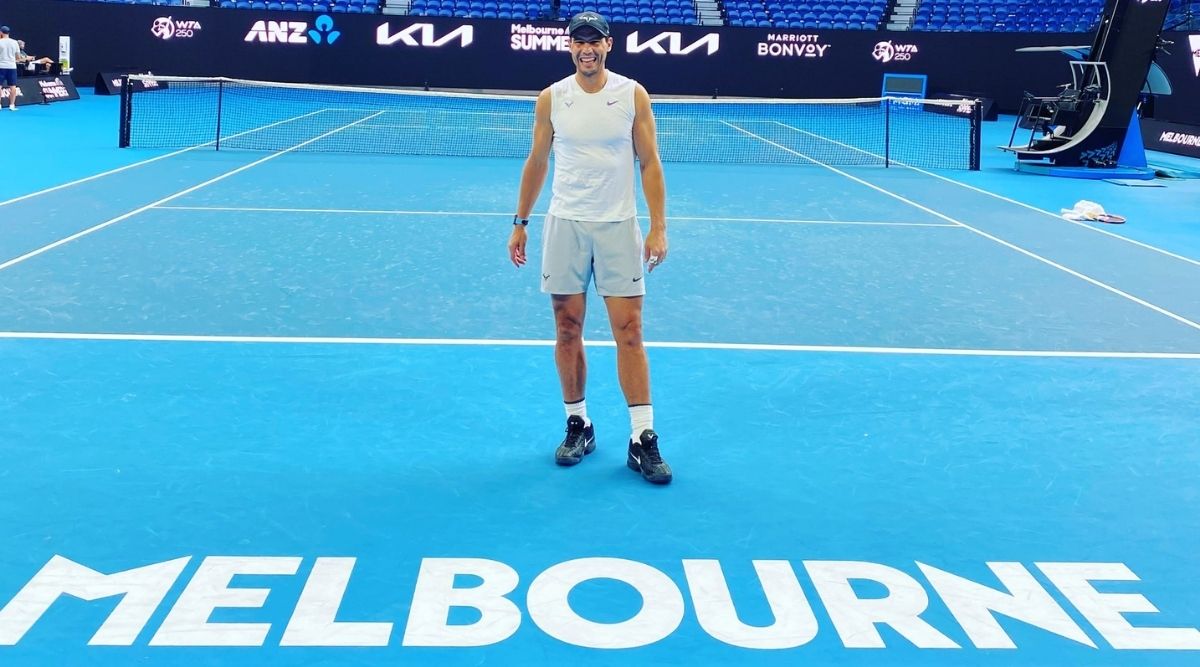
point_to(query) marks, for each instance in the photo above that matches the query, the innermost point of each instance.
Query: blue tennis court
(293, 408)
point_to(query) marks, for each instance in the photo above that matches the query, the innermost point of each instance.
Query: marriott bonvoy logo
(792, 45)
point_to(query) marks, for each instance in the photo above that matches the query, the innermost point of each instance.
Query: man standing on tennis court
(8, 66)
(597, 120)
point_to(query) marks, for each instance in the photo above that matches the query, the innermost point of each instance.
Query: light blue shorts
(576, 252)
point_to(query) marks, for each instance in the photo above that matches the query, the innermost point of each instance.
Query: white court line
(168, 198)
(360, 211)
(1023, 251)
(989, 193)
(484, 342)
(1058, 217)
(148, 161)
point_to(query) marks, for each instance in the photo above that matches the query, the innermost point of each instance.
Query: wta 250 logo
(889, 51)
(165, 27)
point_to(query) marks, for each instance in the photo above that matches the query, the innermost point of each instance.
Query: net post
(126, 112)
(887, 132)
(220, 99)
(976, 133)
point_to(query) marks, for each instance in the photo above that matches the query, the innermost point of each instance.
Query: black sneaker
(644, 458)
(580, 441)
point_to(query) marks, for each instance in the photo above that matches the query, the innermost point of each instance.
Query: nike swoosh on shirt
(611, 102)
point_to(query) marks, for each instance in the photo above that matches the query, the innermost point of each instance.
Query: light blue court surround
(930, 379)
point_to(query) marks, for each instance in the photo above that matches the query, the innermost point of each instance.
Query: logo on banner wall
(527, 37)
(886, 52)
(54, 90)
(422, 34)
(1180, 139)
(164, 27)
(791, 45)
(1194, 42)
(294, 32)
(672, 43)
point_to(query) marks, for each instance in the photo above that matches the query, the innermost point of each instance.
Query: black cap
(6, 30)
(584, 20)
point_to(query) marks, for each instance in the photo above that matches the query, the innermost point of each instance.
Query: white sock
(641, 418)
(578, 409)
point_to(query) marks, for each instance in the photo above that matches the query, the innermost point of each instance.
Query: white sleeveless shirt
(593, 150)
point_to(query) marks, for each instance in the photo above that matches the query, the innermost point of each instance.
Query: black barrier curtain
(388, 50)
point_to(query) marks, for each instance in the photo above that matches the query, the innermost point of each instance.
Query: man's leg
(569, 357)
(571, 361)
(633, 371)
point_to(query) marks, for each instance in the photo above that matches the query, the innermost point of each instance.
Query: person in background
(30, 63)
(8, 66)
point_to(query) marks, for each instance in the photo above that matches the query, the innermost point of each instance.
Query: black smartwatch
(517, 220)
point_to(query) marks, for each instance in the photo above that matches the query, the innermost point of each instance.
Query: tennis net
(179, 112)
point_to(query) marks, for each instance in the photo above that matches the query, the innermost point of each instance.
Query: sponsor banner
(40, 89)
(425, 35)
(323, 30)
(410, 51)
(671, 43)
(1168, 137)
(530, 37)
(889, 51)
(109, 83)
(167, 28)
(793, 45)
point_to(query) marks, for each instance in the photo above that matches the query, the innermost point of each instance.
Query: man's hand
(516, 245)
(655, 252)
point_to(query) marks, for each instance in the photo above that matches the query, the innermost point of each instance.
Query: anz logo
(294, 32)
(672, 43)
(423, 34)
